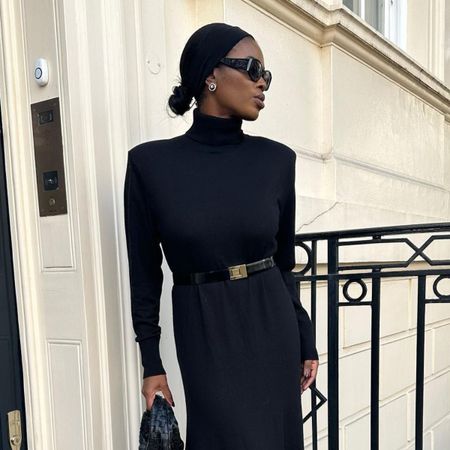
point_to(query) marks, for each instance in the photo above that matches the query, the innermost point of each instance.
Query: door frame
(20, 181)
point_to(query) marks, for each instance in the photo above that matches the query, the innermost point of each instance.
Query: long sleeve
(145, 272)
(285, 259)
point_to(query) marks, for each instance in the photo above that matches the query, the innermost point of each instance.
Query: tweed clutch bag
(159, 427)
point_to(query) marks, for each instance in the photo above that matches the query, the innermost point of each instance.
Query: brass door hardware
(15, 429)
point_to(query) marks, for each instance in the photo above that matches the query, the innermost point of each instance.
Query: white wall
(426, 23)
(447, 43)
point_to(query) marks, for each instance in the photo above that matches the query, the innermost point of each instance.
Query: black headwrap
(203, 51)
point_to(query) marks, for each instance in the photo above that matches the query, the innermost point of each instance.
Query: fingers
(309, 373)
(168, 395)
(303, 375)
(149, 401)
(306, 371)
(154, 384)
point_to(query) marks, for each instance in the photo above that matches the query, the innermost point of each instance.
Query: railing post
(420, 360)
(333, 345)
(314, 322)
(375, 364)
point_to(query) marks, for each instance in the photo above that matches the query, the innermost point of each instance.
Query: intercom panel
(48, 152)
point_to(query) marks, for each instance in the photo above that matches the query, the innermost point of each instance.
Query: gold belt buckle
(239, 271)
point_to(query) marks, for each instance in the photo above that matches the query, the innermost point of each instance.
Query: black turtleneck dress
(211, 198)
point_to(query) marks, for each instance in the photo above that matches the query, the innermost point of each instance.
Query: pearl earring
(212, 87)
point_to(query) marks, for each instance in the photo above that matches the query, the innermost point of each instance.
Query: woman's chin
(251, 114)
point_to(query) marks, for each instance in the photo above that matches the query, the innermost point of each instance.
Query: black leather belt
(229, 273)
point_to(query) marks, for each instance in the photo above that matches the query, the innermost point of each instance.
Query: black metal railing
(338, 274)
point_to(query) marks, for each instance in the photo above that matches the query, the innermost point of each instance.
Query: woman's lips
(259, 102)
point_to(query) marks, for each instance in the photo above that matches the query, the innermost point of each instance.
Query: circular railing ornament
(363, 288)
(435, 287)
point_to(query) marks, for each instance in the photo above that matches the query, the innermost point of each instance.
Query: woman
(222, 205)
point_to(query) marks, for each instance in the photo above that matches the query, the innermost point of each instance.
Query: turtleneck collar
(214, 130)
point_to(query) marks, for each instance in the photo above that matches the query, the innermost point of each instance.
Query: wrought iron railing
(339, 273)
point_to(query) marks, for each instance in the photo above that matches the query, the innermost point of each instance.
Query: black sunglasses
(252, 66)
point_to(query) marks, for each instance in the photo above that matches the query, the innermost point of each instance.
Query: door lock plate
(15, 429)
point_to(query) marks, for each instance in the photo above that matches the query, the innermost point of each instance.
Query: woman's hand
(152, 385)
(309, 373)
